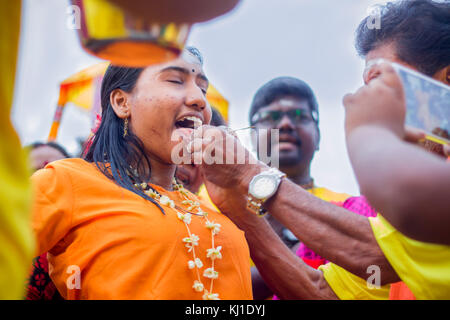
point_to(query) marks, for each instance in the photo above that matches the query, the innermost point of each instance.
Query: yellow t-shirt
(347, 286)
(16, 239)
(423, 267)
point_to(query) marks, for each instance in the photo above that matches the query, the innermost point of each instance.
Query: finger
(348, 100)
(389, 76)
(413, 135)
(197, 144)
(372, 70)
(351, 99)
(447, 150)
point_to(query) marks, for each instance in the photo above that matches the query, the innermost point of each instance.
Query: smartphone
(427, 104)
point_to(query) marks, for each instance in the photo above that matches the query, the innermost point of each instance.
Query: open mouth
(189, 122)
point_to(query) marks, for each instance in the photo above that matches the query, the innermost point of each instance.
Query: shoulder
(70, 165)
(64, 172)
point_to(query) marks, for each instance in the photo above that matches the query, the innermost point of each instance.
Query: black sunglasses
(273, 117)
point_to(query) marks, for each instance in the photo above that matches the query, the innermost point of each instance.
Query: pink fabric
(358, 205)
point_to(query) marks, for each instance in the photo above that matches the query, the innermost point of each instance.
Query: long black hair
(120, 158)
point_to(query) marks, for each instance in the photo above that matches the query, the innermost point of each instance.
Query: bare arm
(260, 289)
(409, 186)
(336, 234)
(285, 273)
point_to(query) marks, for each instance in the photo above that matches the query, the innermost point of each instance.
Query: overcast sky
(260, 40)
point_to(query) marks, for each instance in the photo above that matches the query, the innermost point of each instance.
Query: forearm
(285, 273)
(409, 186)
(336, 234)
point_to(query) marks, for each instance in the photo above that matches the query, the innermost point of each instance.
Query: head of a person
(142, 110)
(43, 153)
(189, 174)
(288, 105)
(414, 33)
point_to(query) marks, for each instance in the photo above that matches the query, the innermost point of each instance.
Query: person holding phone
(353, 243)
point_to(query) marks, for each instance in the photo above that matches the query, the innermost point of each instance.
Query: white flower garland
(192, 240)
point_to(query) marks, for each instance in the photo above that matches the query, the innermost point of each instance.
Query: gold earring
(125, 127)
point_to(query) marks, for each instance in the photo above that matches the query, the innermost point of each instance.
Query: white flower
(203, 213)
(214, 253)
(165, 200)
(215, 227)
(210, 273)
(191, 241)
(152, 194)
(211, 296)
(185, 217)
(198, 263)
(195, 263)
(198, 286)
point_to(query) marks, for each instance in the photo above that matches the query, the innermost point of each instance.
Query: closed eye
(175, 81)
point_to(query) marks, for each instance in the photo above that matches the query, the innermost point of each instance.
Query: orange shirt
(400, 291)
(124, 246)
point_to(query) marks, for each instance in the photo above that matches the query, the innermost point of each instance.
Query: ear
(118, 100)
(443, 75)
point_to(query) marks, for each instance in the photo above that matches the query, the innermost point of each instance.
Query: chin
(289, 158)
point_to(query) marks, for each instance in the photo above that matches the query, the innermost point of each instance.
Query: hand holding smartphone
(427, 102)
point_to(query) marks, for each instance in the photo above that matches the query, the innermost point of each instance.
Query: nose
(285, 124)
(195, 98)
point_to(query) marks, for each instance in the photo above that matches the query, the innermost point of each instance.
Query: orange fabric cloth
(125, 247)
(400, 291)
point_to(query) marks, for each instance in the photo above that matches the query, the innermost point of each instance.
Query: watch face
(263, 187)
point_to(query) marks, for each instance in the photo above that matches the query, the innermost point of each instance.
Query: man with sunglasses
(288, 105)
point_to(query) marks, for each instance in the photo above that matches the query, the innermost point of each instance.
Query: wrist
(248, 174)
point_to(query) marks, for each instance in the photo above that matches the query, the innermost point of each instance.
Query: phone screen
(427, 104)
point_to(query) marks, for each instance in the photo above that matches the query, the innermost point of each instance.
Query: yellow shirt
(16, 240)
(423, 267)
(347, 286)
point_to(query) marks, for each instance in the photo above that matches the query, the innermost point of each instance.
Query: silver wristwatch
(263, 186)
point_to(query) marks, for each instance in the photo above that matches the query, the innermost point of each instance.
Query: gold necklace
(190, 242)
